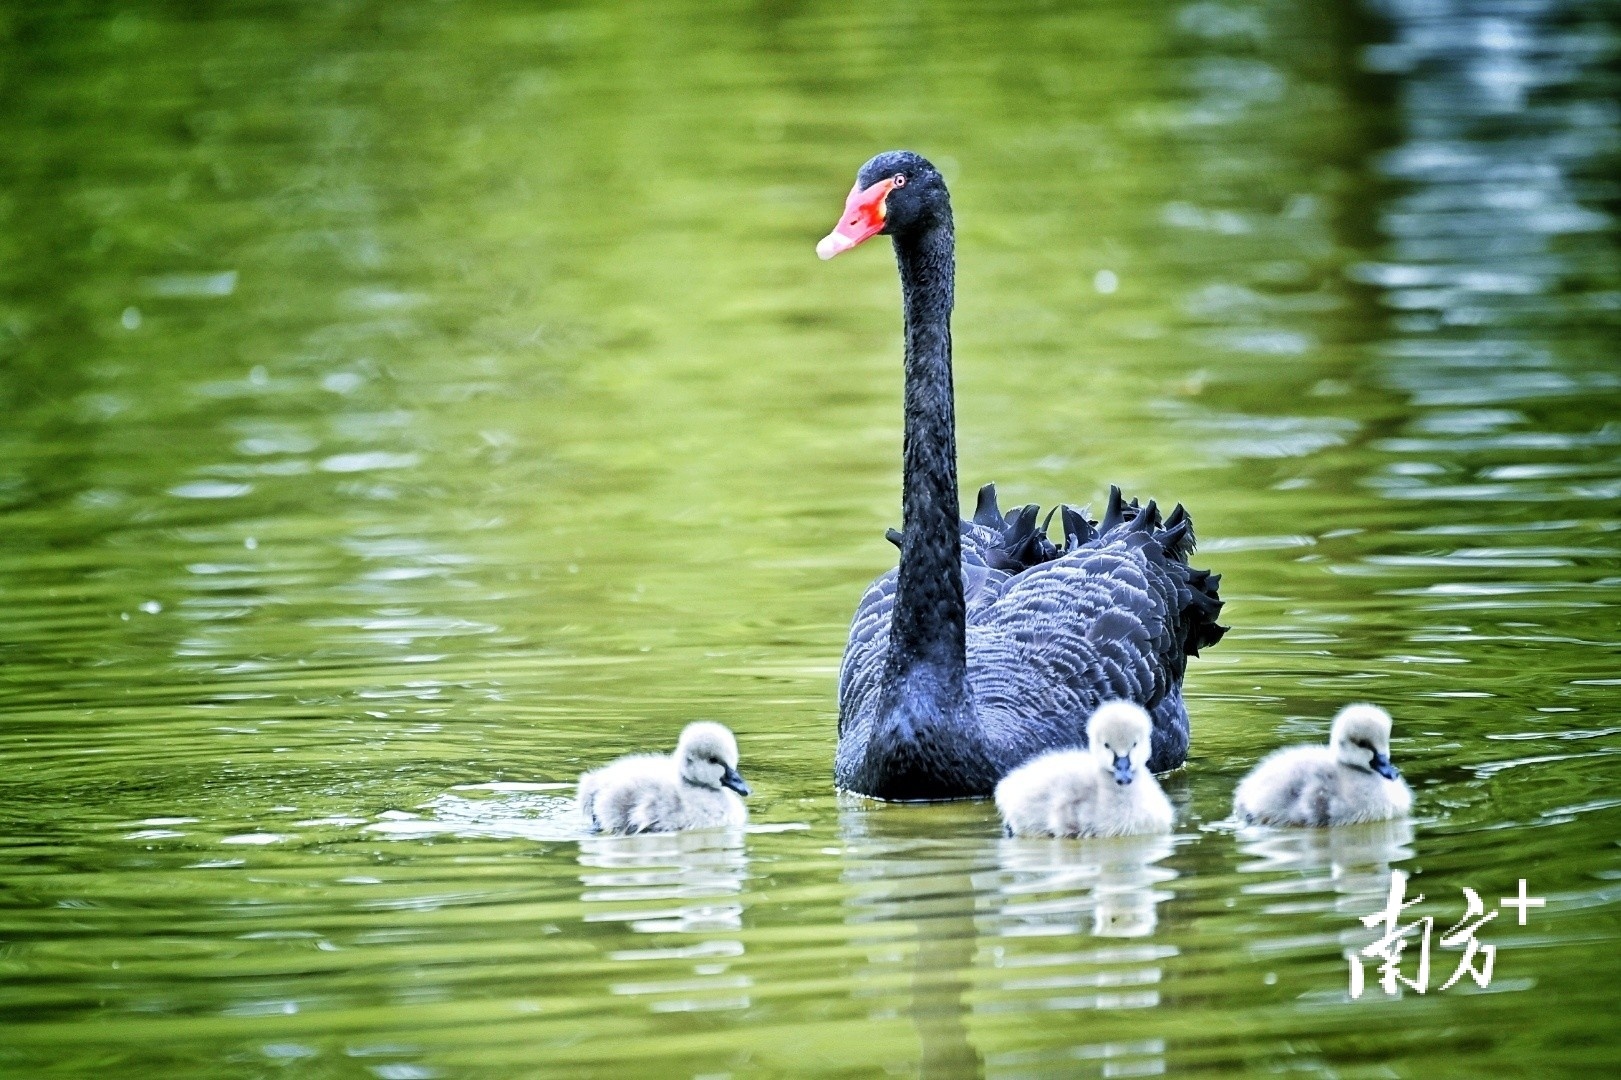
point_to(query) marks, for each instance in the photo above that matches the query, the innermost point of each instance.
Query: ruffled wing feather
(1054, 632)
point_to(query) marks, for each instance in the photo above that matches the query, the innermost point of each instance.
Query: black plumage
(990, 643)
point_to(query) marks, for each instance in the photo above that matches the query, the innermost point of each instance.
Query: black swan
(990, 644)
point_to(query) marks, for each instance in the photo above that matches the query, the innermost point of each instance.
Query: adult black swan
(990, 644)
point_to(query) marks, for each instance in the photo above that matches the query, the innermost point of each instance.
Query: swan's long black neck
(927, 656)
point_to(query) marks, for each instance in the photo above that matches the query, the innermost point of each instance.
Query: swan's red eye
(900, 179)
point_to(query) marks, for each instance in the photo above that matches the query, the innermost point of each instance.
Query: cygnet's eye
(899, 179)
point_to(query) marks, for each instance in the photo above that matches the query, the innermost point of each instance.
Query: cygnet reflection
(682, 889)
(1073, 934)
(1052, 886)
(1344, 865)
(1343, 872)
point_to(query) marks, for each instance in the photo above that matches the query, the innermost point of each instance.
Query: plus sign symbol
(1522, 902)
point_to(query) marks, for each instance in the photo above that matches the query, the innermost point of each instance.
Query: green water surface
(407, 405)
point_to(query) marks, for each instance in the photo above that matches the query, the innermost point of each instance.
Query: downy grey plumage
(1104, 790)
(697, 787)
(1348, 781)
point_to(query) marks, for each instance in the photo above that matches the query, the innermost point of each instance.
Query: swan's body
(989, 645)
(1350, 780)
(1104, 790)
(697, 787)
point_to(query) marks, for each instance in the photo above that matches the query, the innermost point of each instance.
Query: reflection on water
(1052, 898)
(1507, 134)
(913, 904)
(1050, 886)
(684, 884)
(963, 932)
(1343, 873)
(1495, 238)
(1340, 869)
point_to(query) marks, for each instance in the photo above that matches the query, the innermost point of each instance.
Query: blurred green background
(407, 405)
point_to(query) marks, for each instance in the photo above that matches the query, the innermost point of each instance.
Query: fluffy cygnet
(1104, 790)
(697, 787)
(1348, 781)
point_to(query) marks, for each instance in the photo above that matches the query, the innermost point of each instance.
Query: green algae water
(408, 405)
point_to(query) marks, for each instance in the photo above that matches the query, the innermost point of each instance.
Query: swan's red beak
(863, 219)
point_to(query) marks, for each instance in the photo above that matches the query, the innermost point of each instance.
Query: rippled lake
(408, 405)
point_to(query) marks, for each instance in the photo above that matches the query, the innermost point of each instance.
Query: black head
(896, 193)
(919, 201)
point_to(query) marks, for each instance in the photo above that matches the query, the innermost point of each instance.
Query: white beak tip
(831, 245)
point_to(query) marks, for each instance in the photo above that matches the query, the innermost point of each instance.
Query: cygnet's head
(1360, 739)
(707, 757)
(1118, 736)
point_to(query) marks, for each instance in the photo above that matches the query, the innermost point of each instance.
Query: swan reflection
(912, 897)
(686, 883)
(974, 926)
